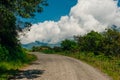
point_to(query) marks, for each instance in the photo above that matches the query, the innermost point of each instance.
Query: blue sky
(54, 11)
(118, 2)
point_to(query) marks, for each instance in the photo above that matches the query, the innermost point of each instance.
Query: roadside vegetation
(9, 67)
(101, 50)
(12, 56)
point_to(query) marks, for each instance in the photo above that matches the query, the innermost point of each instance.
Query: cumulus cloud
(85, 16)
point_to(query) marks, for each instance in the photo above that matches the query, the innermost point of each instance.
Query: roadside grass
(10, 68)
(108, 65)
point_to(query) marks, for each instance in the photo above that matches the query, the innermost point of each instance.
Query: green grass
(10, 68)
(108, 65)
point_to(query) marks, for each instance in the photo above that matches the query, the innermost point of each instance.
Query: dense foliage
(12, 56)
(10, 48)
(111, 43)
(107, 43)
(24, 8)
(68, 45)
(90, 42)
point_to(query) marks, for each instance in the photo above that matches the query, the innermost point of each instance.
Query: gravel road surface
(57, 67)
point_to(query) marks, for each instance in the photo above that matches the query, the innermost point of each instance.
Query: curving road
(57, 67)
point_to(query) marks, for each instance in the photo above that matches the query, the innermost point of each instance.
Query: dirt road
(56, 67)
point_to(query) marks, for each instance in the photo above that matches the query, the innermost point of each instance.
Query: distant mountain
(37, 43)
(115, 27)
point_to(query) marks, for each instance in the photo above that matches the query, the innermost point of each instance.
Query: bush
(4, 54)
(107, 43)
(69, 45)
(57, 49)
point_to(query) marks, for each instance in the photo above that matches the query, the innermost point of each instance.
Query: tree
(111, 42)
(90, 42)
(93, 41)
(9, 9)
(68, 45)
(107, 43)
(24, 8)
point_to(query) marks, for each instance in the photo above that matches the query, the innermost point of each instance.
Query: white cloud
(85, 16)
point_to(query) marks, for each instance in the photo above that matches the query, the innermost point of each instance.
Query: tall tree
(9, 9)
(90, 42)
(69, 45)
(111, 42)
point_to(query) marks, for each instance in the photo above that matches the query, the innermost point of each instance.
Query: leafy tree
(3, 56)
(90, 42)
(24, 8)
(69, 45)
(93, 41)
(107, 42)
(111, 42)
(9, 9)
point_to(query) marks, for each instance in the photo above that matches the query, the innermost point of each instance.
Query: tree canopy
(24, 8)
(9, 10)
(107, 43)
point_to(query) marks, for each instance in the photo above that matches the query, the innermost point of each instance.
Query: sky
(53, 11)
(63, 19)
